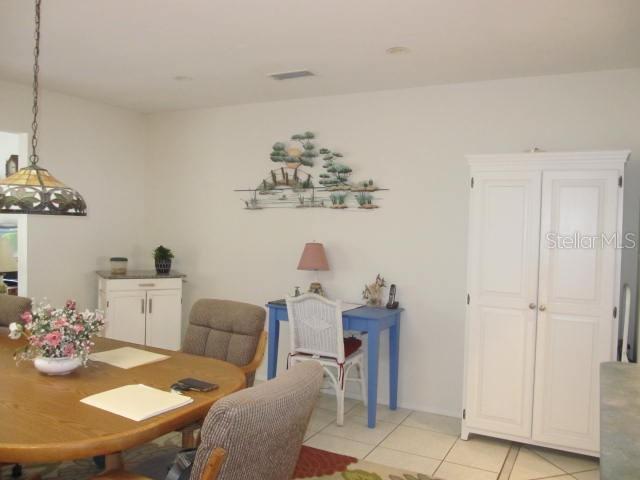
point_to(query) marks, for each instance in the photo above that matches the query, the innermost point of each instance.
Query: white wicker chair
(316, 333)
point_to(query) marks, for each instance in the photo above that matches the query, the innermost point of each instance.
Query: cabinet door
(125, 316)
(164, 319)
(577, 289)
(503, 278)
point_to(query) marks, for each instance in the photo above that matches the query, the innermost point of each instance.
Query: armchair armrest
(252, 366)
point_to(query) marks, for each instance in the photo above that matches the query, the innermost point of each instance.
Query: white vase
(57, 366)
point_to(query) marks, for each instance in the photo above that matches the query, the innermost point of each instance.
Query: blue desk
(364, 319)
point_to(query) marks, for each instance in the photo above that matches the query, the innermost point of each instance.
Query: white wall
(98, 150)
(411, 141)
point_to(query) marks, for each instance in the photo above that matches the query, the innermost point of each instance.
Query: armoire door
(503, 281)
(576, 301)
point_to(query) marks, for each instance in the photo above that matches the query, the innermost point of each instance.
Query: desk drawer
(115, 285)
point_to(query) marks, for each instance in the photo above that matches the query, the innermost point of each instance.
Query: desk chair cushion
(351, 346)
(225, 330)
(11, 308)
(262, 428)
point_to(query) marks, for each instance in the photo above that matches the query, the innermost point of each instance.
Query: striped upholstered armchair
(229, 331)
(255, 433)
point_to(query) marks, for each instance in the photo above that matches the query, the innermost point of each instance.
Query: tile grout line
(549, 461)
(509, 462)
(472, 467)
(348, 439)
(445, 456)
(396, 426)
(571, 474)
(401, 451)
(383, 439)
(417, 455)
(402, 424)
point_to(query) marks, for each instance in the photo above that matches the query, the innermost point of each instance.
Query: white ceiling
(127, 52)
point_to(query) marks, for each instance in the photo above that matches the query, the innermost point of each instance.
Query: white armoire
(543, 289)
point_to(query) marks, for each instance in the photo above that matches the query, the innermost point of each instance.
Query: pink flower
(68, 350)
(53, 338)
(26, 317)
(78, 327)
(71, 304)
(60, 322)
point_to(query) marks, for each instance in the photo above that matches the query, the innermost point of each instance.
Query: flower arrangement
(57, 332)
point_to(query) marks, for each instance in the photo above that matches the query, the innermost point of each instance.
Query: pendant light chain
(32, 190)
(36, 70)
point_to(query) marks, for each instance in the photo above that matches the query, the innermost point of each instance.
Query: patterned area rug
(314, 464)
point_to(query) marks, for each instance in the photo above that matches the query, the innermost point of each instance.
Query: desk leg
(274, 337)
(394, 360)
(373, 356)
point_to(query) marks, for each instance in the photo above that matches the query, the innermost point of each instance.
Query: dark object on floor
(16, 471)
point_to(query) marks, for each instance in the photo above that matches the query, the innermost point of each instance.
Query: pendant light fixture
(32, 189)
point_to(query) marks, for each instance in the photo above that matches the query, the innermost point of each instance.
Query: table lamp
(313, 258)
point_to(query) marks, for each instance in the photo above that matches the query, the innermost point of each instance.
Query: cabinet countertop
(138, 274)
(619, 421)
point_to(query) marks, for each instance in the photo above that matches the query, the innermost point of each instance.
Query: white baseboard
(449, 412)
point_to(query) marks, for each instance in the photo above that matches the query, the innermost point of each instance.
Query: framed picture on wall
(11, 166)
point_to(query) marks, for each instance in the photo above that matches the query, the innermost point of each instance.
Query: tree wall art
(294, 183)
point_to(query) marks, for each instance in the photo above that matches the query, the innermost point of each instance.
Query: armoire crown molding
(550, 160)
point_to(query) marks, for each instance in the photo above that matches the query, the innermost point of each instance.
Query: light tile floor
(431, 444)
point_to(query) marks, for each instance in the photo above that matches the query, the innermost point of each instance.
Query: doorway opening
(14, 153)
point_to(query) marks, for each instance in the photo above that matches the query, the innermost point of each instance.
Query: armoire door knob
(532, 306)
(542, 308)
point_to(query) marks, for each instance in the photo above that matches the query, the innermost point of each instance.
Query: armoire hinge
(471, 182)
(615, 312)
(464, 413)
(620, 181)
(468, 299)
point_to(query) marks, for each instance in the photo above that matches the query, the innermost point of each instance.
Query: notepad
(137, 402)
(127, 357)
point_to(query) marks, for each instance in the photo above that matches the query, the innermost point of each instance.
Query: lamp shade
(33, 190)
(313, 258)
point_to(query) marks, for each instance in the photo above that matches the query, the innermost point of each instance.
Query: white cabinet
(543, 279)
(163, 326)
(146, 311)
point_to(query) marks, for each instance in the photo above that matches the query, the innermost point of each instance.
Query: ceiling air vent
(290, 75)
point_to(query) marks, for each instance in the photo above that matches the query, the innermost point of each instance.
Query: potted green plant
(163, 256)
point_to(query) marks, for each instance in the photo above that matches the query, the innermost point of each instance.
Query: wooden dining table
(43, 421)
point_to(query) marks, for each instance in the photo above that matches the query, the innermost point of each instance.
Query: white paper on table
(137, 402)
(127, 357)
(350, 306)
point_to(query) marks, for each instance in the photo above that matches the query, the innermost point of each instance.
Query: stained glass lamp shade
(33, 190)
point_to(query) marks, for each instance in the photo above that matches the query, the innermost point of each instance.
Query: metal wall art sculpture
(292, 185)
